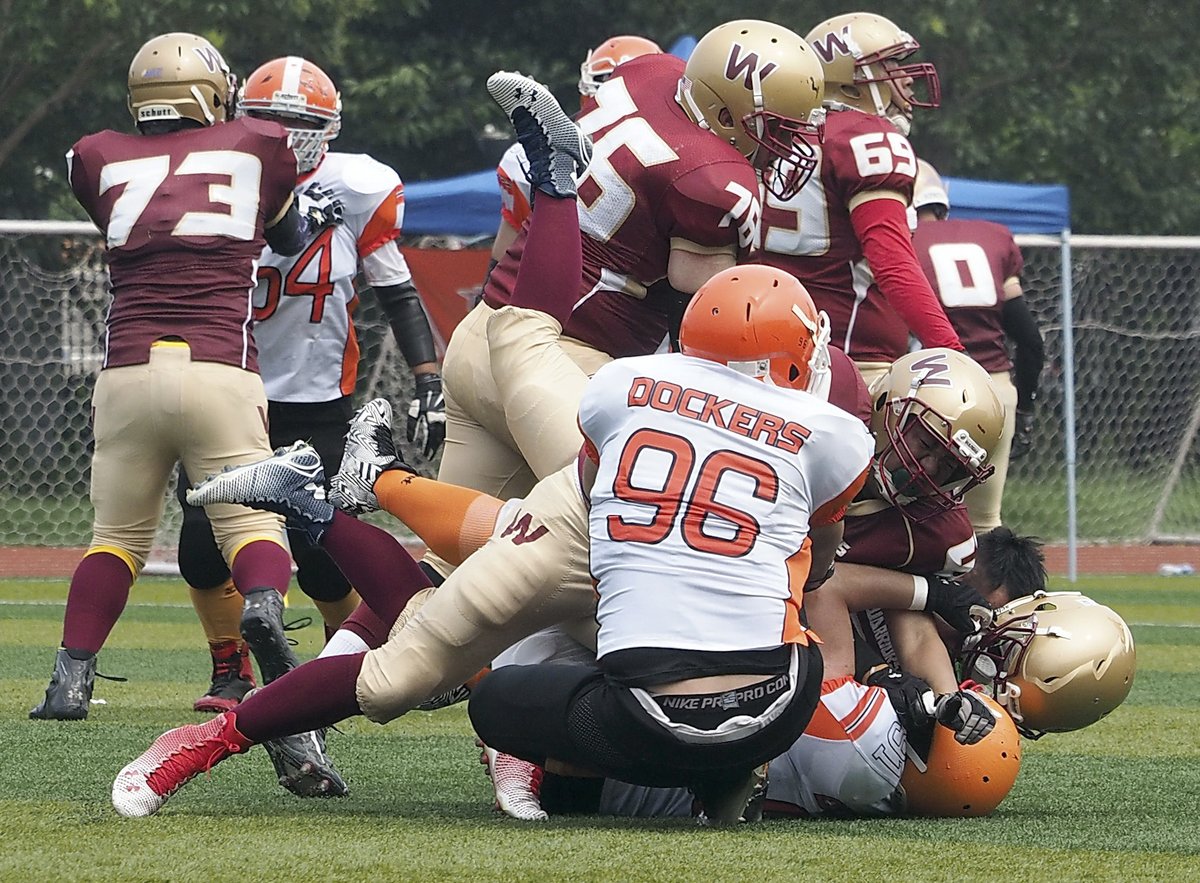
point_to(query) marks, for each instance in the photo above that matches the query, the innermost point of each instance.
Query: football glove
(966, 714)
(1022, 442)
(959, 605)
(427, 415)
(320, 207)
(910, 696)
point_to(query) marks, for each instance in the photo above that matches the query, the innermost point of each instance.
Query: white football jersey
(513, 175)
(303, 305)
(848, 760)
(701, 507)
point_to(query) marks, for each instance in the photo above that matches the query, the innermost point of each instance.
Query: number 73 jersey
(708, 483)
(304, 304)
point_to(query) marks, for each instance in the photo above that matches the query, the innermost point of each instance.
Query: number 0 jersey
(304, 304)
(968, 262)
(183, 216)
(707, 486)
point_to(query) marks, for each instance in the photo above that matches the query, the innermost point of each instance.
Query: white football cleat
(516, 783)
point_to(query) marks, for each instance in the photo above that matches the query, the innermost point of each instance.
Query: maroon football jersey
(810, 235)
(944, 543)
(847, 389)
(967, 263)
(654, 176)
(182, 215)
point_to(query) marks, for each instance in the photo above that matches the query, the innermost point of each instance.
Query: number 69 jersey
(303, 305)
(708, 483)
(812, 237)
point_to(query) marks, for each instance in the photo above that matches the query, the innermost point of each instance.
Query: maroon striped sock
(262, 564)
(317, 694)
(552, 263)
(375, 563)
(99, 590)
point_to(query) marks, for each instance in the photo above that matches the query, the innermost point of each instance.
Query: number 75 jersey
(707, 486)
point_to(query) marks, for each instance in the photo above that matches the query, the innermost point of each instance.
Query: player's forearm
(882, 229)
(290, 233)
(1029, 352)
(410, 325)
(920, 650)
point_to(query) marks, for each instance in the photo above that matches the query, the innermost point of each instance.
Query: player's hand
(962, 608)
(1022, 442)
(427, 414)
(910, 696)
(966, 714)
(320, 207)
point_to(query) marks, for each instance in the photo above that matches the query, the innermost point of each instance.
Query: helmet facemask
(788, 149)
(914, 431)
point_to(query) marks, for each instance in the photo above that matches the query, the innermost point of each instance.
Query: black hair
(1012, 561)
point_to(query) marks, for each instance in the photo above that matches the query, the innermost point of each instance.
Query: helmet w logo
(932, 370)
(211, 57)
(833, 44)
(746, 66)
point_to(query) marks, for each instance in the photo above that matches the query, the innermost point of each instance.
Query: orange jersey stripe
(383, 225)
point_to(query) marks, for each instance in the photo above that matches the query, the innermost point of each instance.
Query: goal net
(54, 283)
(1137, 388)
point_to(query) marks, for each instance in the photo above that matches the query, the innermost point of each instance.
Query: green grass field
(1119, 801)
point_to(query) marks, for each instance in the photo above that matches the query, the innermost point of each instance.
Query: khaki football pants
(984, 501)
(205, 415)
(532, 573)
(872, 371)
(512, 385)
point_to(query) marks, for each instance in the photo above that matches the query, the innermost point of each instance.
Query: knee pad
(200, 561)
(316, 574)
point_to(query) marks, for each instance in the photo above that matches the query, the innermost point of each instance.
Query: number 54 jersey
(304, 304)
(707, 486)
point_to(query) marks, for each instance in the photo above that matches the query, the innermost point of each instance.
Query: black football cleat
(69, 695)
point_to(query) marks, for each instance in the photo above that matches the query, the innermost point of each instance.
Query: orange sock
(219, 611)
(452, 521)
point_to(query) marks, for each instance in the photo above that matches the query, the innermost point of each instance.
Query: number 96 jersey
(707, 485)
(303, 305)
(811, 235)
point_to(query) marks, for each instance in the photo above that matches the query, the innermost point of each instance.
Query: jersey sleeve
(514, 187)
(603, 395)
(279, 165)
(386, 266)
(1013, 261)
(84, 182)
(373, 202)
(873, 156)
(716, 206)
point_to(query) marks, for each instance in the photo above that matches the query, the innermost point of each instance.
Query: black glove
(962, 608)
(319, 206)
(427, 414)
(966, 714)
(908, 695)
(1022, 442)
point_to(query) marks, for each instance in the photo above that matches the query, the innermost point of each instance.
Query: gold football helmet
(296, 93)
(861, 54)
(180, 76)
(1058, 661)
(964, 780)
(759, 87)
(936, 419)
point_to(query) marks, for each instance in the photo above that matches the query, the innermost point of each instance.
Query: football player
(304, 306)
(845, 234)
(492, 601)
(670, 197)
(975, 268)
(185, 206)
(513, 170)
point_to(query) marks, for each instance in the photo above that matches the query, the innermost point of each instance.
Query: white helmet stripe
(291, 75)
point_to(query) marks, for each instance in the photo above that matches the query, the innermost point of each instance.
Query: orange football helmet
(760, 321)
(603, 60)
(295, 92)
(964, 780)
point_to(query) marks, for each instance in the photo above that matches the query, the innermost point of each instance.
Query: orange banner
(449, 282)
